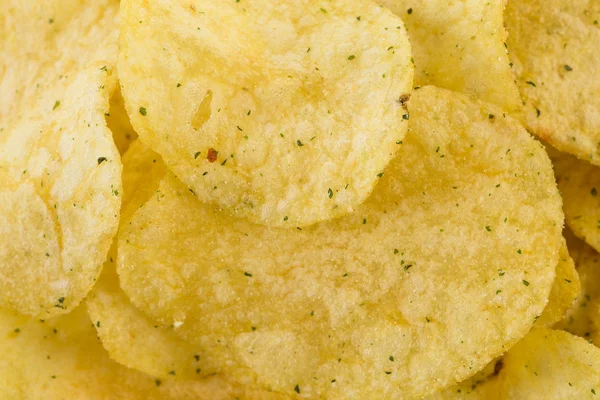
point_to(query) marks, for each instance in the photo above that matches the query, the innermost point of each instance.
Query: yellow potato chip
(446, 265)
(286, 115)
(552, 45)
(459, 45)
(44, 43)
(119, 124)
(584, 317)
(579, 184)
(61, 358)
(565, 290)
(60, 178)
(546, 364)
(129, 336)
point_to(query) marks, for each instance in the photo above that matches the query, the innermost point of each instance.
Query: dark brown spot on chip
(212, 155)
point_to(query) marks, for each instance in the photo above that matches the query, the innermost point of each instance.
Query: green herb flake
(248, 274)
(525, 282)
(405, 117)
(391, 358)
(351, 57)
(101, 160)
(500, 272)
(330, 193)
(297, 389)
(487, 228)
(530, 83)
(594, 192)
(299, 143)
(143, 111)
(568, 68)
(56, 104)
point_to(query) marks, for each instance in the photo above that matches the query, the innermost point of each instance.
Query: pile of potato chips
(321, 199)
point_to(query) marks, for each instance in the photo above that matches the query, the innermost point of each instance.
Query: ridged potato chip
(285, 113)
(579, 184)
(60, 178)
(546, 364)
(61, 358)
(584, 317)
(44, 43)
(552, 45)
(446, 265)
(460, 45)
(565, 291)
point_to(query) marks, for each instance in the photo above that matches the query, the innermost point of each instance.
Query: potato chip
(565, 290)
(459, 45)
(119, 124)
(129, 336)
(551, 45)
(44, 43)
(61, 358)
(447, 264)
(579, 184)
(61, 178)
(584, 317)
(286, 115)
(546, 364)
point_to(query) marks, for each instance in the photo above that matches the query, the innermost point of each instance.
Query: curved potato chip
(551, 43)
(372, 304)
(60, 175)
(546, 364)
(61, 358)
(129, 336)
(119, 124)
(584, 317)
(285, 115)
(565, 291)
(579, 184)
(459, 45)
(43, 45)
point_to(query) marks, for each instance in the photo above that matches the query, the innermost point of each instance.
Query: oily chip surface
(552, 44)
(284, 113)
(459, 45)
(473, 235)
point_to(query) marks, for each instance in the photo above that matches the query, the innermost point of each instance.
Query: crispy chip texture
(62, 358)
(579, 184)
(552, 45)
(60, 175)
(565, 290)
(282, 112)
(43, 43)
(584, 317)
(389, 301)
(459, 45)
(546, 364)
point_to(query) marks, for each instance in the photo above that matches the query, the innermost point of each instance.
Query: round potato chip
(551, 43)
(60, 175)
(128, 335)
(44, 43)
(61, 358)
(579, 184)
(447, 264)
(546, 364)
(565, 291)
(285, 113)
(584, 317)
(459, 45)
